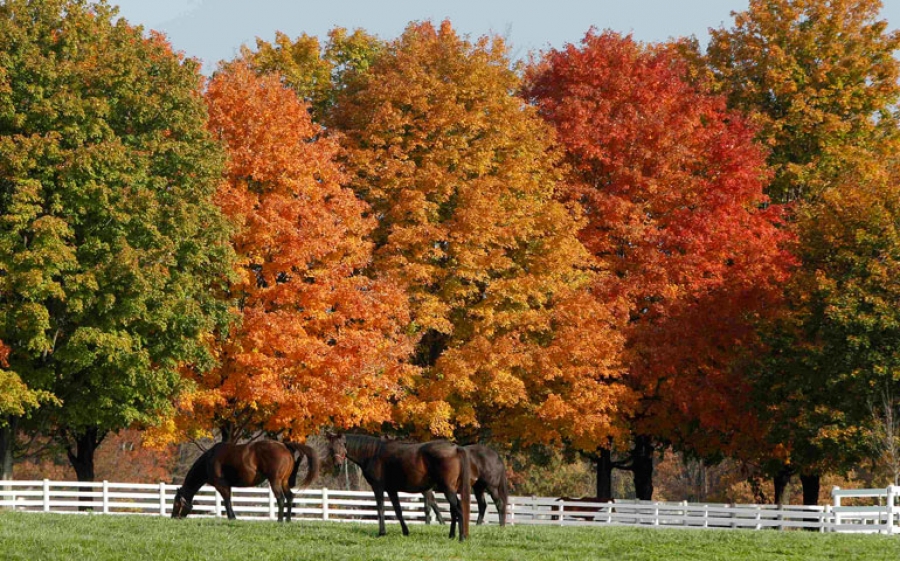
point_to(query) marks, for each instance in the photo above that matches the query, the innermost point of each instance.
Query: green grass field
(49, 537)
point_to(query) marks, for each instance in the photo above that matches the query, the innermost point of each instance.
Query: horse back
(487, 466)
(246, 465)
(415, 468)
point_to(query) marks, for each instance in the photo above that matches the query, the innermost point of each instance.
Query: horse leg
(432, 506)
(395, 500)
(225, 491)
(499, 503)
(455, 513)
(279, 498)
(437, 511)
(379, 506)
(289, 499)
(482, 502)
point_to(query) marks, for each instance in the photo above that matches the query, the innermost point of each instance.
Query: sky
(213, 30)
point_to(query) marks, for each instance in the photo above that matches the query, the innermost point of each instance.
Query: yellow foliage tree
(461, 176)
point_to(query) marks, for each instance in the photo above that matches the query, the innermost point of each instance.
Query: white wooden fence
(854, 510)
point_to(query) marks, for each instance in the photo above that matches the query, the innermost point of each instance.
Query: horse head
(182, 505)
(337, 448)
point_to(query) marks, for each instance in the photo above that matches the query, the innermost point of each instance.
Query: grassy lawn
(55, 536)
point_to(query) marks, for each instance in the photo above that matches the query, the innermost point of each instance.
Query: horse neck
(196, 476)
(361, 448)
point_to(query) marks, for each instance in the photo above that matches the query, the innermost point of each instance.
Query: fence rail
(854, 510)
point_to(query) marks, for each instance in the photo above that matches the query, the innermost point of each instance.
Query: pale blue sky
(212, 30)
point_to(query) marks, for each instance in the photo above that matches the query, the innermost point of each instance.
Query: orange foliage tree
(317, 342)
(461, 175)
(672, 187)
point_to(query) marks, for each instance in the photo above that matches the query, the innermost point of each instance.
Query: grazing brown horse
(394, 467)
(488, 474)
(228, 465)
(589, 507)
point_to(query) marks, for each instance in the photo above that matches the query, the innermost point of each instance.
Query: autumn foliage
(615, 248)
(821, 79)
(316, 341)
(672, 189)
(462, 176)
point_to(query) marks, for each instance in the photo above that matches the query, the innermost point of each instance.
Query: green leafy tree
(836, 354)
(316, 72)
(111, 251)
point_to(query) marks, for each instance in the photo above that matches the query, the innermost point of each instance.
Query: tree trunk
(781, 480)
(642, 464)
(7, 440)
(227, 431)
(604, 474)
(811, 483)
(82, 459)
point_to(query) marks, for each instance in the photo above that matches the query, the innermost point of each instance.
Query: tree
(318, 342)
(461, 176)
(820, 77)
(672, 189)
(315, 72)
(842, 334)
(16, 400)
(111, 250)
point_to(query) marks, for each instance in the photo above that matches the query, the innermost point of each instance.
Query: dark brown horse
(394, 467)
(228, 465)
(488, 474)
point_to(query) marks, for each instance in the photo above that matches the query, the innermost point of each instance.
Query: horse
(591, 507)
(393, 467)
(228, 465)
(488, 474)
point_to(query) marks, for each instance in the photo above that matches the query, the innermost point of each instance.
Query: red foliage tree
(671, 184)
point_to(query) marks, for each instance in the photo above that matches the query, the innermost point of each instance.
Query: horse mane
(364, 446)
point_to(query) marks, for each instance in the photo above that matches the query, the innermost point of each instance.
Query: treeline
(615, 248)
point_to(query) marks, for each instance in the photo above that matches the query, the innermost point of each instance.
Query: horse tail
(312, 461)
(465, 490)
(503, 491)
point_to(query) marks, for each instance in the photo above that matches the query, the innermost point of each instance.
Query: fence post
(218, 504)
(684, 513)
(105, 497)
(46, 495)
(758, 517)
(162, 498)
(891, 497)
(837, 504)
(656, 513)
(706, 515)
(511, 513)
(324, 503)
(823, 522)
(562, 512)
